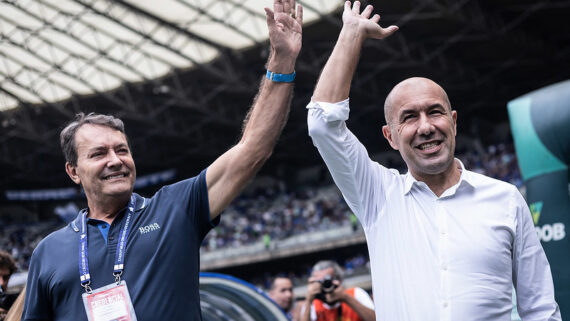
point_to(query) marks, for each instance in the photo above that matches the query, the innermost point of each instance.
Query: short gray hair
(67, 135)
(327, 264)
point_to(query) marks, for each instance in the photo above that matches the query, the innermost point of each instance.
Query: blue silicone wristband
(280, 77)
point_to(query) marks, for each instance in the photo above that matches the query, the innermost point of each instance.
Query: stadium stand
(309, 215)
(189, 108)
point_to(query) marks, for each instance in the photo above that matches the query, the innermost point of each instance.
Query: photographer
(328, 300)
(7, 268)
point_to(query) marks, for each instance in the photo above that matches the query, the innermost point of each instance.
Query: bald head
(411, 87)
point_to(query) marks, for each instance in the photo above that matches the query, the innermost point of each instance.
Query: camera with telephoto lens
(327, 286)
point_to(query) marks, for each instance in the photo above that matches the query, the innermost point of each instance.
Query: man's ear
(454, 116)
(388, 135)
(72, 172)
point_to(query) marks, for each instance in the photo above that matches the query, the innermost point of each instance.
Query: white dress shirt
(449, 258)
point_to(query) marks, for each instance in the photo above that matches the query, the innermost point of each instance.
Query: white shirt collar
(465, 178)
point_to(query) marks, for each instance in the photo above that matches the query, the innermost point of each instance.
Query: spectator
(7, 268)
(281, 291)
(328, 300)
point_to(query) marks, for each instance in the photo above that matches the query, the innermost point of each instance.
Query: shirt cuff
(332, 111)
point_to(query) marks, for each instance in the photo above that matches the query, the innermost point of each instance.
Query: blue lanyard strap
(119, 255)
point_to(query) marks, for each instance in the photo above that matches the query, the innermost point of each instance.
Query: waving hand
(285, 28)
(352, 17)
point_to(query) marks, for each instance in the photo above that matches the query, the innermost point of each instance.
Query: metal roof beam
(218, 73)
(97, 29)
(170, 25)
(95, 90)
(86, 60)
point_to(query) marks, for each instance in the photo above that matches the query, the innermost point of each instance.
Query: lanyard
(119, 255)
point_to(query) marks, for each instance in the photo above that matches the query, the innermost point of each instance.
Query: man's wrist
(281, 65)
(352, 33)
(276, 77)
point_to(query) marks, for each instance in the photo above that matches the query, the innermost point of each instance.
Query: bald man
(445, 243)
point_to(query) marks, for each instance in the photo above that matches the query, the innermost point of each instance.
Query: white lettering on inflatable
(551, 232)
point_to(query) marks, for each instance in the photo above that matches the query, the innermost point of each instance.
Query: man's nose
(425, 127)
(113, 159)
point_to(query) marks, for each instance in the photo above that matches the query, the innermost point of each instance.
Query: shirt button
(111, 238)
(444, 267)
(445, 304)
(443, 232)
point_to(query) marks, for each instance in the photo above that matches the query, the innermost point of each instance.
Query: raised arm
(334, 82)
(227, 176)
(346, 158)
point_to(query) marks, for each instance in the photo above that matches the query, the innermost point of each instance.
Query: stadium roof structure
(182, 73)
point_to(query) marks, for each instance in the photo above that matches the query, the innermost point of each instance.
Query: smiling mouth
(426, 146)
(114, 176)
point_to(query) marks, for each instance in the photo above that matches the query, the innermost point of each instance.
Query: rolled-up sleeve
(346, 158)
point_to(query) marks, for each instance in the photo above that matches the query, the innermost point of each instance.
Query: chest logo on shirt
(149, 228)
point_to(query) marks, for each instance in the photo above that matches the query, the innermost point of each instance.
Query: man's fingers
(347, 6)
(293, 11)
(269, 14)
(367, 11)
(375, 18)
(269, 17)
(356, 7)
(278, 5)
(299, 16)
(390, 30)
(287, 6)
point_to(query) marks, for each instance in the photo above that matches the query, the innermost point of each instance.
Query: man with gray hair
(328, 300)
(137, 257)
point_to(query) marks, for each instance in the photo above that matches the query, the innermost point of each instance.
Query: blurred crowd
(278, 213)
(20, 239)
(274, 212)
(499, 161)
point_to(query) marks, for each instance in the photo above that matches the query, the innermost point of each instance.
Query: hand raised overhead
(368, 27)
(285, 27)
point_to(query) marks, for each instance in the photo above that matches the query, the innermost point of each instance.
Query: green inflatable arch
(540, 124)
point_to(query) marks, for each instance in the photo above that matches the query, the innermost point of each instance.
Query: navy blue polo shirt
(161, 263)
